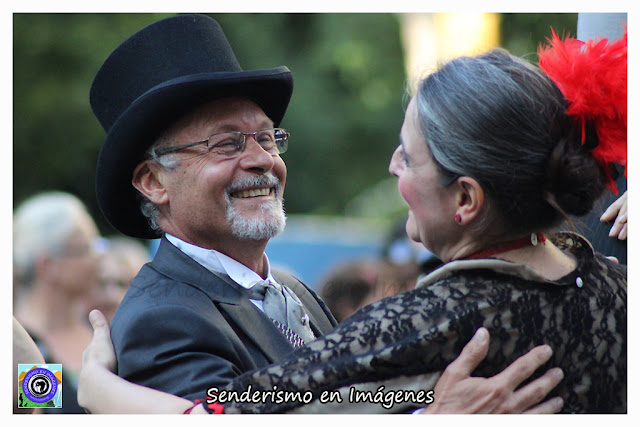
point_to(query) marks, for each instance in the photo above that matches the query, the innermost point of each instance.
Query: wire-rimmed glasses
(231, 144)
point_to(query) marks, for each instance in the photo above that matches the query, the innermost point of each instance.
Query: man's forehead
(231, 108)
(224, 114)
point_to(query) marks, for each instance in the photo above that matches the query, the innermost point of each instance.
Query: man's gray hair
(168, 161)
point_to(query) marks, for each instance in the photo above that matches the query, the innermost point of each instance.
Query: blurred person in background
(56, 262)
(394, 278)
(347, 286)
(122, 258)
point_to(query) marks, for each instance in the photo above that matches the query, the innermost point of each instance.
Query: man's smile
(252, 192)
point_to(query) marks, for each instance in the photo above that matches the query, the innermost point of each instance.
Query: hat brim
(146, 118)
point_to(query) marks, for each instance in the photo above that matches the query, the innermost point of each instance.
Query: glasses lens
(228, 144)
(281, 140)
(267, 140)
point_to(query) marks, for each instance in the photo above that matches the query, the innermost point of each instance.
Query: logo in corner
(40, 386)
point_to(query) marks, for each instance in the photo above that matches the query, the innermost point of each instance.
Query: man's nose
(255, 157)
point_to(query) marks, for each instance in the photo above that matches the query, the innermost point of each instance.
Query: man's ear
(469, 200)
(146, 179)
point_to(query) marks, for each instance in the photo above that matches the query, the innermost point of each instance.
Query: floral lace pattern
(405, 342)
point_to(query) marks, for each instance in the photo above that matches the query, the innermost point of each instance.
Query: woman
(490, 161)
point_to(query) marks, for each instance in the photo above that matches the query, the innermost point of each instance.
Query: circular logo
(39, 385)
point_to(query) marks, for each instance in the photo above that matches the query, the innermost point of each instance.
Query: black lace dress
(387, 356)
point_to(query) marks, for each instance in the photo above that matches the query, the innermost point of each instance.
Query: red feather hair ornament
(592, 76)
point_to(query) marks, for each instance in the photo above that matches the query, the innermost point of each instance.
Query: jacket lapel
(228, 296)
(259, 329)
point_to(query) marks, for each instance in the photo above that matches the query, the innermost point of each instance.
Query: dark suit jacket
(182, 329)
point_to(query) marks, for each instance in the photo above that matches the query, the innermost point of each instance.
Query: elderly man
(192, 153)
(175, 105)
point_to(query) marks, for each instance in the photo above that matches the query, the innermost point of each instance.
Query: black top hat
(152, 79)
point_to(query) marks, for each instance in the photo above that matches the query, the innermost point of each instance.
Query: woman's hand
(458, 392)
(100, 352)
(103, 392)
(617, 211)
(98, 361)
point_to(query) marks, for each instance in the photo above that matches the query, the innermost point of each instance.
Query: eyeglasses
(231, 144)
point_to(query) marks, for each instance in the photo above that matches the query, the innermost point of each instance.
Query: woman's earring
(459, 218)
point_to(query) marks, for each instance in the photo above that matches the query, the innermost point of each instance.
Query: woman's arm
(101, 391)
(25, 351)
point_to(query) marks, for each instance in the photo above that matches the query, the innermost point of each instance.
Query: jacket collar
(175, 264)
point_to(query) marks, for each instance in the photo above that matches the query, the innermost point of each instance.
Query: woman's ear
(469, 199)
(146, 179)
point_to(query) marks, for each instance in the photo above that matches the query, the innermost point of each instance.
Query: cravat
(282, 306)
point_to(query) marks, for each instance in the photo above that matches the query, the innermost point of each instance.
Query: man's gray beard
(265, 224)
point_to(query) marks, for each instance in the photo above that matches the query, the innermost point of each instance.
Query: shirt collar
(220, 263)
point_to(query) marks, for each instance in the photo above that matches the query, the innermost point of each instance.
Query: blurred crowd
(354, 283)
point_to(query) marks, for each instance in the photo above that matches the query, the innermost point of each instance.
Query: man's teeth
(252, 193)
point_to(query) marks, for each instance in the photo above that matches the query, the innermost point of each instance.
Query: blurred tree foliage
(344, 117)
(523, 32)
